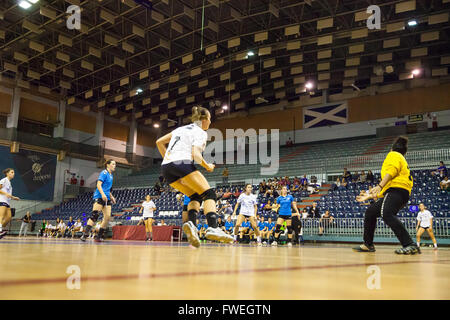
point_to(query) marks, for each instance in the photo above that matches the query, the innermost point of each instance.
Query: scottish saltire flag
(327, 115)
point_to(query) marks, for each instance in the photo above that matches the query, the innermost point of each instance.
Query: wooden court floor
(36, 269)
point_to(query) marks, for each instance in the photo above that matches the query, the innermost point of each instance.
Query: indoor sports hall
(224, 150)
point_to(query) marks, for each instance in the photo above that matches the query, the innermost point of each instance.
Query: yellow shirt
(396, 166)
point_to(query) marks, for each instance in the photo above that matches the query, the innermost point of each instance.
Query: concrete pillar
(99, 127)
(132, 136)
(13, 118)
(58, 132)
(324, 96)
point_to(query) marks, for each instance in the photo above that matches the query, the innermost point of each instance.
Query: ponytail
(199, 113)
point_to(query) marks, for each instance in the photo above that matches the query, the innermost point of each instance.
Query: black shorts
(101, 202)
(425, 228)
(4, 204)
(176, 170)
(185, 207)
(285, 217)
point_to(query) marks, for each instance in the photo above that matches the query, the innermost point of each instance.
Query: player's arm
(7, 194)
(113, 200)
(142, 208)
(100, 189)
(431, 223)
(256, 209)
(161, 143)
(294, 204)
(198, 158)
(235, 208)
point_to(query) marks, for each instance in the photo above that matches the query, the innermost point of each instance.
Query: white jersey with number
(149, 207)
(424, 217)
(6, 187)
(247, 204)
(182, 141)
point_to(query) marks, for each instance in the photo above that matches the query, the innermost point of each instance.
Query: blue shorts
(176, 170)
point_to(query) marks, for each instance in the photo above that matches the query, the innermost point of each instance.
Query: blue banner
(34, 173)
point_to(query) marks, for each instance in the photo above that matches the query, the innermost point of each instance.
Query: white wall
(84, 168)
(80, 137)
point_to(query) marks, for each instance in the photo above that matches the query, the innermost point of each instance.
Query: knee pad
(196, 197)
(278, 228)
(209, 194)
(289, 229)
(94, 215)
(211, 219)
(192, 216)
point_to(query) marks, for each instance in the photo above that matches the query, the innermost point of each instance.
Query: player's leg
(96, 209)
(370, 223)
(419, 234)
(276, 234)
(430, 232)
(196, 181)
(150, 222)
(239, 221)
(5, 218)
(290, 231)
(256, 229)
(105, 222)
(191, 212)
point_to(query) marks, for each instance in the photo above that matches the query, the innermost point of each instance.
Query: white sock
(235, 237)
(435, 245)
(418, 244)
(258, 239)
(1, 227)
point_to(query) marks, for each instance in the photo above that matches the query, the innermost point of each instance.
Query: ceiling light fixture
(24, 4)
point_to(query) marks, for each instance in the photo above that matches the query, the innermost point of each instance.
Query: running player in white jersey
(425, 222)
(148, 206)
(249, 208)
(5, 196)
(185, 146)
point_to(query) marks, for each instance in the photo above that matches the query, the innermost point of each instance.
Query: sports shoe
(289, 244)
(97, 239)
(364, 248)
(274, 244)
(191, 232)
(218, 235)
(83, 237)
(411, 249)
(259, 243)
(264, 243)
(2, 234)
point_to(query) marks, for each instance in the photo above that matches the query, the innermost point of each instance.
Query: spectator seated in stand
(227, 194)
(289, 142)
(69, 229)
(445, 184)
(441, 171)
(370, 177)
(304, 182)
(346, 176)
(362, 177)
(229, 226)
(78, 227)
(324, 222)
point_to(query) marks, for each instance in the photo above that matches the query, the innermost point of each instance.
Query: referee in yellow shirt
(393, 194)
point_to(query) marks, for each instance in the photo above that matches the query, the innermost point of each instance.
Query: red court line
(198, 273)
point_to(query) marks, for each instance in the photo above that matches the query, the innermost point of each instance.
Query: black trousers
(387, 207)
